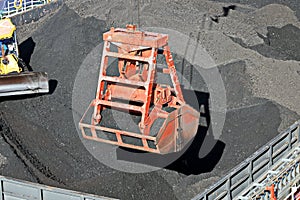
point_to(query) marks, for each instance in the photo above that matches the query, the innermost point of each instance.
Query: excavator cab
(165, 123)
(15, 79)
(9, 51)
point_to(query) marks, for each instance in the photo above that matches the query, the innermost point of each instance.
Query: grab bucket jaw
(178, 129)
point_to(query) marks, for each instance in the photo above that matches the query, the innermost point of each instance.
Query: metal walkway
(12, 189)
(272, 172)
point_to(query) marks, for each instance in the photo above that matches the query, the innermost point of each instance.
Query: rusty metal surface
(24, 83)
(178, 128)
(134, 90)
(132, 36)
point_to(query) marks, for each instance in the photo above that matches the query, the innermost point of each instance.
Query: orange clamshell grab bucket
(128, 86)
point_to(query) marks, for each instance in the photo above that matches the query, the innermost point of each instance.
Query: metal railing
(277, 163)
(15, 7)
(12, 189)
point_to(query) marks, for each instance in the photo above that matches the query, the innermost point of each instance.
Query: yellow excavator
(15, 79)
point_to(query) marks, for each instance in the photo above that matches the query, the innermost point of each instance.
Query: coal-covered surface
(279, 43)
(293, 4)
(43, 126)
(44, 133)
(10, 162)
(284, 40)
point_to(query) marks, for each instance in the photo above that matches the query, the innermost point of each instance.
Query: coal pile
(44, 125)
(283, 41)
(279, 43)
(293, 4)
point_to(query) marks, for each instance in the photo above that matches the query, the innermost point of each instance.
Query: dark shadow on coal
(186, 161)
(190, 163)
(225, 13)
(52, 86)
(26, 50)
(19, 97)
(279, 43)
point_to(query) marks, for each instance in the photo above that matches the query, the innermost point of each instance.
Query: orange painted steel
(271, 189)
(134, 90)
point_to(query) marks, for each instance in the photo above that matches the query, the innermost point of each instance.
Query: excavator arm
(13, 78)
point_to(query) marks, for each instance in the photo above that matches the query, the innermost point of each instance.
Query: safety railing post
(17, 10)
(8, 10)
(270, 155)
(23, 8)
(228, 187)
(290, 139)
(1, 190)
(298, 131)
(250, 171)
